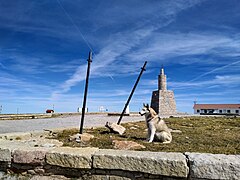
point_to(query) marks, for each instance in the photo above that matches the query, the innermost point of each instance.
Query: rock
(127, 145)
(175, 131)
(71, 157)
(42, 142)
(214, 166)
(39, 171)
(85, 137)
(32, 172)
(158, 163)
(5, 155)
(48, 145)
(52, 177)
(113, 127)
(14, 136)
(29, 156)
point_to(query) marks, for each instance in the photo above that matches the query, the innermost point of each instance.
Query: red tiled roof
(216, 106)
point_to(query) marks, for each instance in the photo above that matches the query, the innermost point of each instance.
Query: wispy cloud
(215, 70)
(227, 80)
(120, 44)
(165, 45)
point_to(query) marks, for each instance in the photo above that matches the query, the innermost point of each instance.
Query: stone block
(214, 166)
(5, 155)
(158, 163)
(71, 157)
(29, 156)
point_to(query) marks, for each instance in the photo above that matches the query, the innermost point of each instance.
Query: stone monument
(163, 101)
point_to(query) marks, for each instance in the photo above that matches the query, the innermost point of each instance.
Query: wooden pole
(134, 87)
(85, 92)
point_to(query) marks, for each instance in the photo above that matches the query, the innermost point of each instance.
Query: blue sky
(44, 47)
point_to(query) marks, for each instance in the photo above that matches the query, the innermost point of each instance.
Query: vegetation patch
(219, 135)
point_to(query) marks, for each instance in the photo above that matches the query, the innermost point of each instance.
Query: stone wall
(19, 162)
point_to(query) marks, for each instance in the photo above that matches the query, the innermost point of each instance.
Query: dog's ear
(144, 105)
(147, 106)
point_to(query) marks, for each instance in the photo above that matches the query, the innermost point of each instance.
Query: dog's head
(147, 110)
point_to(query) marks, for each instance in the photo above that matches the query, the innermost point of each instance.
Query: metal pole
(85, 92)
(129, 98)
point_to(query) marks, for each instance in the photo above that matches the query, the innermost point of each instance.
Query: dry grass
(199, 134)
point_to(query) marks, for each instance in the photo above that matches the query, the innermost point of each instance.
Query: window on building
(220, 111)
(237, 111)
(228, 111)
(198, 111)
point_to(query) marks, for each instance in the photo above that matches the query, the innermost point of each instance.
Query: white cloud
(167, 45)
(227, 80)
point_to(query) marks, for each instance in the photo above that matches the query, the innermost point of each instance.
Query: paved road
(8, 126)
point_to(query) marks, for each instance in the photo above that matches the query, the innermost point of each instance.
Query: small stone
(116, 128)
(32, 172)
(127, 145)
(85, 137)
(39, 171)
(74, 137)
(48, 145)
(175, 131)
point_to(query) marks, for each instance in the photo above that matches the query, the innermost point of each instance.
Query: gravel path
(8, 126)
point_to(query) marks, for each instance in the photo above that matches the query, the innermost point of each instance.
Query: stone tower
(163, 101)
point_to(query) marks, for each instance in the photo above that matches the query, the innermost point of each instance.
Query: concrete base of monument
(115, 128)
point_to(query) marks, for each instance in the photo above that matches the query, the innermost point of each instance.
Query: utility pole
(85, 92)
(134, 87)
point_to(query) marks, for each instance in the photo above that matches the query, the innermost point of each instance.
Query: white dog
(157, 128)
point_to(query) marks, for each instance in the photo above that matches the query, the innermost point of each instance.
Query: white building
(216, 109)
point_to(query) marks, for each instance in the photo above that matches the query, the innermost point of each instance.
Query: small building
(49, 111)
(216, 109)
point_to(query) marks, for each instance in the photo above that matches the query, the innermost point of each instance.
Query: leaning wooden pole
(85, 92)
(134, 87)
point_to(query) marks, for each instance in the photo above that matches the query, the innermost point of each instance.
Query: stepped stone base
(163, 102)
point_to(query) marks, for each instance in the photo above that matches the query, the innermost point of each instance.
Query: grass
(219, 135)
